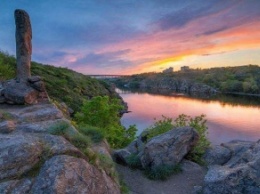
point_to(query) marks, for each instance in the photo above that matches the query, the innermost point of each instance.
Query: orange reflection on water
(225, 122)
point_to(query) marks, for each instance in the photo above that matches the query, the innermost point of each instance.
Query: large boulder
(65, 174)
(168, 148)
(240, 174)
(19, 153)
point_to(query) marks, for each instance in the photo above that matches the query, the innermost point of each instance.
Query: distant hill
(62, 84)
(240, 79)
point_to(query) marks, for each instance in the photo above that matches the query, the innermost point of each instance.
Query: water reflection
(226, 121)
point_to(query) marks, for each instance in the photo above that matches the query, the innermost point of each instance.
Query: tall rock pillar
(23, 37)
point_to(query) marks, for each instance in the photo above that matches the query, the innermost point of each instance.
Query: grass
(133, 161)
(62, 84)
(162, 172)
(94, 133)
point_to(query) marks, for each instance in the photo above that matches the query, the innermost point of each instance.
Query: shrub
(80, 141)
(159, 127)
(59, 128)
(94, 133)
(103, 112)
(133, 161)
(162, 172)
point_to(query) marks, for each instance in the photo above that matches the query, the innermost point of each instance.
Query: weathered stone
(7, 126)
(16, 186)
(169, 148)
(34, 79)
(66, 174)
(19, 93)
(6, 187)
(23, 44)
(217, 155)
(38, 112)
(238, 149)
(241, 174)
(224, 180)
(120, 156)
(39, 86)
(2, 99)
(18, 154)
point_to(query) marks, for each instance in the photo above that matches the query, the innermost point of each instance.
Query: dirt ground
(182, 183)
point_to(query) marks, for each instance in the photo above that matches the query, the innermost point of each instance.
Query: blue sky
(131, 36)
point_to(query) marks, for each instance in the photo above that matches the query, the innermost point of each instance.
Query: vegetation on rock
(103, 113)
(198, 123)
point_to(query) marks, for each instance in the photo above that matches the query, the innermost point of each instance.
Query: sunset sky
(135, 36)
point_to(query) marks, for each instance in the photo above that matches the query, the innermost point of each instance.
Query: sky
(136, 36)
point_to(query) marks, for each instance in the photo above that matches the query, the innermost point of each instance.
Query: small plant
(133, 161)
(107, 164)
(94, 133)
(80, 141)
(159, 127)
(162, 172)
(59, 128)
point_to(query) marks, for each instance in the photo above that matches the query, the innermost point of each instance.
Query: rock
(169, 148)
(18, 154)
(37, 113)
(6, 187)
(39, 86)
(66, 174)
(241, 174)
(34, 79)
(7, 126)
(23, 37)
(2, 99)
(19, 93)
(120, 156)
(238, 149)
(224, 180)
(217, 155)
(16, 186)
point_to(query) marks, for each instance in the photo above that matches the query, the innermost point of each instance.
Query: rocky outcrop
(26, 147)
(170, 84)
(165, 149)
(31, 159)
(66, 174)
(238, 171)
(168, 148)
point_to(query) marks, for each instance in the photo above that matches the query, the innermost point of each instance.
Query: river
(227, 118)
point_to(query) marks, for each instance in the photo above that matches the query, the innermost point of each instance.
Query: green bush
(159, 127)
(103, 112)
(162, 172)
(133, 161)
(59, 129)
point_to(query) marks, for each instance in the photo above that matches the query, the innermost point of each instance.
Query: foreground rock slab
(66, 174)
(240, 174)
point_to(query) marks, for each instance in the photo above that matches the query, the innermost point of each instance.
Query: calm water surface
(225, 121)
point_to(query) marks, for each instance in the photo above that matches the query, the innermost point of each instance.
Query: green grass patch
(133, 161)
(162, 172)
(94, 133)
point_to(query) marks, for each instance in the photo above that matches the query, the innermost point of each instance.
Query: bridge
(109, 76)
